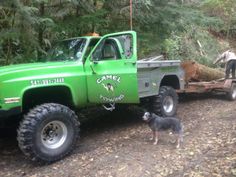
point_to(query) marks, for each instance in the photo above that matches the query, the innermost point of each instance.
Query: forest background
(180, 29)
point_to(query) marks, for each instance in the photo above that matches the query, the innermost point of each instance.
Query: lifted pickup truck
(82, 72)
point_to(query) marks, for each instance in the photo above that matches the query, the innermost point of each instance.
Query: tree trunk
(198, 72)
(77, 10)
(41, 29)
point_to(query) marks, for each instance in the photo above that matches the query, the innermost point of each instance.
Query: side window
(126, 42)
(110, 50)
(114, 48)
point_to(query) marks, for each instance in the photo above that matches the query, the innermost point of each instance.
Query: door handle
(130, 62)
(95, 62)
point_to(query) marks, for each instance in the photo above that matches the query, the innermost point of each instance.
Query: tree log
(198, 72)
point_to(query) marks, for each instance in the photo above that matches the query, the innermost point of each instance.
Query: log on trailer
(198, 72)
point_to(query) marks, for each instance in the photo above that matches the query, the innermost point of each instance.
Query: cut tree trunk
(198, 72)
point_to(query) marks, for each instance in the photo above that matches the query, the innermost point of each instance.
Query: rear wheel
(48, 132)
(165, 103)
(232, 92)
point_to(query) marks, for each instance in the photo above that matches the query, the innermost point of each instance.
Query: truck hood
(36, 70)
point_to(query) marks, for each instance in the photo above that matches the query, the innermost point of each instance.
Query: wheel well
(37, 96)
(171, 80)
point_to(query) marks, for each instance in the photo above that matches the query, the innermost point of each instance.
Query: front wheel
(231, 94)
(48, 132)
(165, 103)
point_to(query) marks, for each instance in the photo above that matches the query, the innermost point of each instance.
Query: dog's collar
(149, 119)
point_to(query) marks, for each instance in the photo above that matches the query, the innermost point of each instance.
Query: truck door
(111, 70)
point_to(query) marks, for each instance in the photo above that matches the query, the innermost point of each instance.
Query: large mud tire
(48, 132)
(165, 103)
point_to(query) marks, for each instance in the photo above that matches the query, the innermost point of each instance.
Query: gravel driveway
(118, 145)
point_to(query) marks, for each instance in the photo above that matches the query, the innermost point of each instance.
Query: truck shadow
(189, 97)
(90, 127)
(109, 121)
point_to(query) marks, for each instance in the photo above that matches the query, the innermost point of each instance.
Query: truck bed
(152, 73)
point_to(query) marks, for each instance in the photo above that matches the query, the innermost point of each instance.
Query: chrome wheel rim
(54, 134)
(168, 104)
(234, 93)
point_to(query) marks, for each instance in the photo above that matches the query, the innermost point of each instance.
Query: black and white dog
(158, 124)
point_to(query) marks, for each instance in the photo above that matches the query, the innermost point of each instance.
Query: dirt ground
(118, 145)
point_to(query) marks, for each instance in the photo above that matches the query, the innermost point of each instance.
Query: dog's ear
(144, 110)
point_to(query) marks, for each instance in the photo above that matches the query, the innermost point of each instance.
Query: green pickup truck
(79, 73)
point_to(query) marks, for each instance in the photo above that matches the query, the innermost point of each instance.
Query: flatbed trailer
(227, 86)
(149, 69)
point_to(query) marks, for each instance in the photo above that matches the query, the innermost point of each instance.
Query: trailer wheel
(48, 132)
(165, 104)
(232, 92)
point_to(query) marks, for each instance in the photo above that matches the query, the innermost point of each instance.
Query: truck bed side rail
(154, 64)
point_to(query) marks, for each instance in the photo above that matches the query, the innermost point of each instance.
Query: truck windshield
(71, 49)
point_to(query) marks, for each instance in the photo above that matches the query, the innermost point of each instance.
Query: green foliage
(19, 25)
(225, 10)
(16, 21)
(194, 44)
(172, 46)
(176, 29)
(173, 27)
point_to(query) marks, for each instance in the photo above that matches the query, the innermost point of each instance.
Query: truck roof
(87, 37)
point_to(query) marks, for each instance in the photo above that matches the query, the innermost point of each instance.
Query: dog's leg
(173, 138)
(156, 138)
(180, 138)
(153, 135)
(179, 141)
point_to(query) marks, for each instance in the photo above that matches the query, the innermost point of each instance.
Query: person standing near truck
(229, 58)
